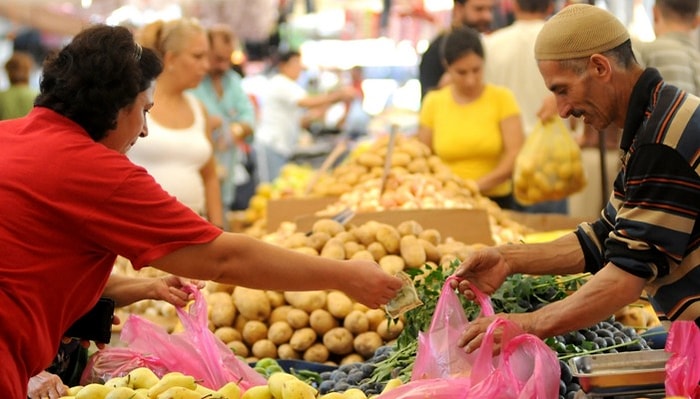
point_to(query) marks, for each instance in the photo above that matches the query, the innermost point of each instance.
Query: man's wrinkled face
(476, 14)
(578, 94)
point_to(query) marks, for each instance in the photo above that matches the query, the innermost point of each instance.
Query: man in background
(509, 63)
(673, 52)
(18, 99)
(476, 14)
(232, 116)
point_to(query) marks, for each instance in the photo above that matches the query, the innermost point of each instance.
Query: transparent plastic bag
(683, 367)
(549, 167)
(525, 368)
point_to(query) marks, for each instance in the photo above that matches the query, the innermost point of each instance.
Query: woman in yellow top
(474, 127)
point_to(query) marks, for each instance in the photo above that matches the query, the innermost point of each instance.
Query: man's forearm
(604, 294)
(561, 256)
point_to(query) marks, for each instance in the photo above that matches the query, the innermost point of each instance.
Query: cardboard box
(470, 226)
(546, 221)
(288, 209)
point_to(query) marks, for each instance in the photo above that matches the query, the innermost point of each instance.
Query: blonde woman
(179, 152)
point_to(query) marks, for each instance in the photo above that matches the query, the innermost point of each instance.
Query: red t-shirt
(68, 206)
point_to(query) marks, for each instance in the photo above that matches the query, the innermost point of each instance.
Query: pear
(391, 384)
(297, 389)
(354, 393)
(204, 390)
(116, 382)
(72, 391)
(121, 393)
(172, 379)
(178, 392)
(258, 392)
(230, 391)
(142, 377)
(93, 391)
(276, 382)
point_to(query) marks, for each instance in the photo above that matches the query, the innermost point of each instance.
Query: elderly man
(647, 237)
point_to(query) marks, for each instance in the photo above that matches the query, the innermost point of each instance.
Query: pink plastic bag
(683, 367)
(526, 367)
(116, 362)
(195, 351)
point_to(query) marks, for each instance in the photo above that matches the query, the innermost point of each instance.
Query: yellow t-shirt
(467, 137)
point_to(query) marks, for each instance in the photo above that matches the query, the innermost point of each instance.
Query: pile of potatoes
(317, 326)
(417, 180)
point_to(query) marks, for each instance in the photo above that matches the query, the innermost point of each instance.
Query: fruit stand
(322, 343)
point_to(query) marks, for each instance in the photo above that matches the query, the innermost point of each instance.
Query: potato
(409, 227)
(279, 332)
(238, 348)
(297, 318)
(296, 240)
(367, 343)
(338, 341)
(221, 309)
(389, 237)
(363, 254)
(306, 251)
(412, 252)
(279, 313)
(264, 348)
(227, 334)
(399, 158)
(365, 234)
(321, 321)
(351, 248)
(419, 165)
(285, 351)
(307, 301)
(374, 317)
(338, 304)
(431, 235)
(346, 236)
(377, 250)
(447, 258)
(360, 306)
(276, 298)
(350, 178)
(316, 353)
(336, 189)
(356, 322)
(414, 148)
(352, 358)
(328, 226)
(251, 303)
(240, 322)
(389, 329)
(333, 249)
(432, 253)
(318, 239)
(254, 331)
(370, 159)
(213, 286)
(302, 339)
(392, 264)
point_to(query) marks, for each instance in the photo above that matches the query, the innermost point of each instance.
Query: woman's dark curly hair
(98, 73)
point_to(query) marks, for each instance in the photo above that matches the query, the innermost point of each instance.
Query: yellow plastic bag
(548, 167)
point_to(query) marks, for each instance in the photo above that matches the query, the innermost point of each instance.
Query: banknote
(405, 300)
